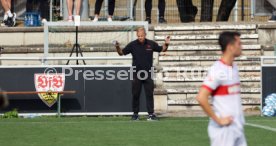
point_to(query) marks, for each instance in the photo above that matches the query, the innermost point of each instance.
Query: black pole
(77, 45)
(242, 10)
(77, 34)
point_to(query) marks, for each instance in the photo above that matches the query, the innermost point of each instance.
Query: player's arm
(202, 98)
(166, 44)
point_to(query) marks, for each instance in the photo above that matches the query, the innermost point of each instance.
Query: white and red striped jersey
(224, 84)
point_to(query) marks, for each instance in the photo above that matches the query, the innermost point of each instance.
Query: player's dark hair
(226, 38)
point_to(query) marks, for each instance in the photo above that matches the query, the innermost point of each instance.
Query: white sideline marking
(261, 126)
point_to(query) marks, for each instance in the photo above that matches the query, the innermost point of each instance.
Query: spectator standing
(70, 4)
(98, 7)
(161, 8)
(43, 7)
(187, 10)
(9, 17)
(225, 9)
(206, 10)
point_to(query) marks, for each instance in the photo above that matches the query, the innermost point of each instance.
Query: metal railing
(135, 9)
(244, 10)
(44, 60)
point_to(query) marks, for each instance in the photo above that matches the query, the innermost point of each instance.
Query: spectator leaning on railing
(98, 6)
(161, 7)
(70, 4)
(9, 17)
(273, 3)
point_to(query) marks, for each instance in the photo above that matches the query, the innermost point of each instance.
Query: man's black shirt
(142, 53)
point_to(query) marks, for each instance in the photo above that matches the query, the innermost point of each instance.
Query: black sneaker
(162, 20)
(11, 21)
(148, 19)
(152, 117)
(135, 117)
(272, 19)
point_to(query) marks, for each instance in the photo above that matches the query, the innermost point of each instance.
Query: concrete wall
(267, 39)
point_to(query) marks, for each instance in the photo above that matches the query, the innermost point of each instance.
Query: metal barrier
(44, 60)
(83, 24)
(134, 9)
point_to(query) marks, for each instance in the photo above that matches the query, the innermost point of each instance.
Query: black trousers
(225, 9)
(207, 10)
(111, 7)
(136, 91)
(187, 10)
(161, 7)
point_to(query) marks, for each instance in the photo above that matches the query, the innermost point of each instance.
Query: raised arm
(166, 44)
(118, 48)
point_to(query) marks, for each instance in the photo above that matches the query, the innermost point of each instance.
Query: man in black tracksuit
(142, 53)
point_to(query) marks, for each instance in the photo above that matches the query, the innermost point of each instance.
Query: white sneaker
(43, 21)
(14, 19)
(109, 19)
(96, 19)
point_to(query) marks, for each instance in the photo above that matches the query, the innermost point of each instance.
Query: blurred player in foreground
(223, 84)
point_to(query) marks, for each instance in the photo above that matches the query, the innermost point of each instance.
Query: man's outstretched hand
(115, 43)
(168, 40)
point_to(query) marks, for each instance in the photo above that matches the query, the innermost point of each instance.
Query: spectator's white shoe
(96, 19)
(70, 19)
(109, 19)
(43, 21)
(14, 19)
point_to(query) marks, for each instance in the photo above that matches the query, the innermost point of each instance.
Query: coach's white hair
(141, 29)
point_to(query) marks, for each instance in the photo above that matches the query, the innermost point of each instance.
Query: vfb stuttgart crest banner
(49, 83)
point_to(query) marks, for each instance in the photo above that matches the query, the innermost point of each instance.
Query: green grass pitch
(120, 131)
